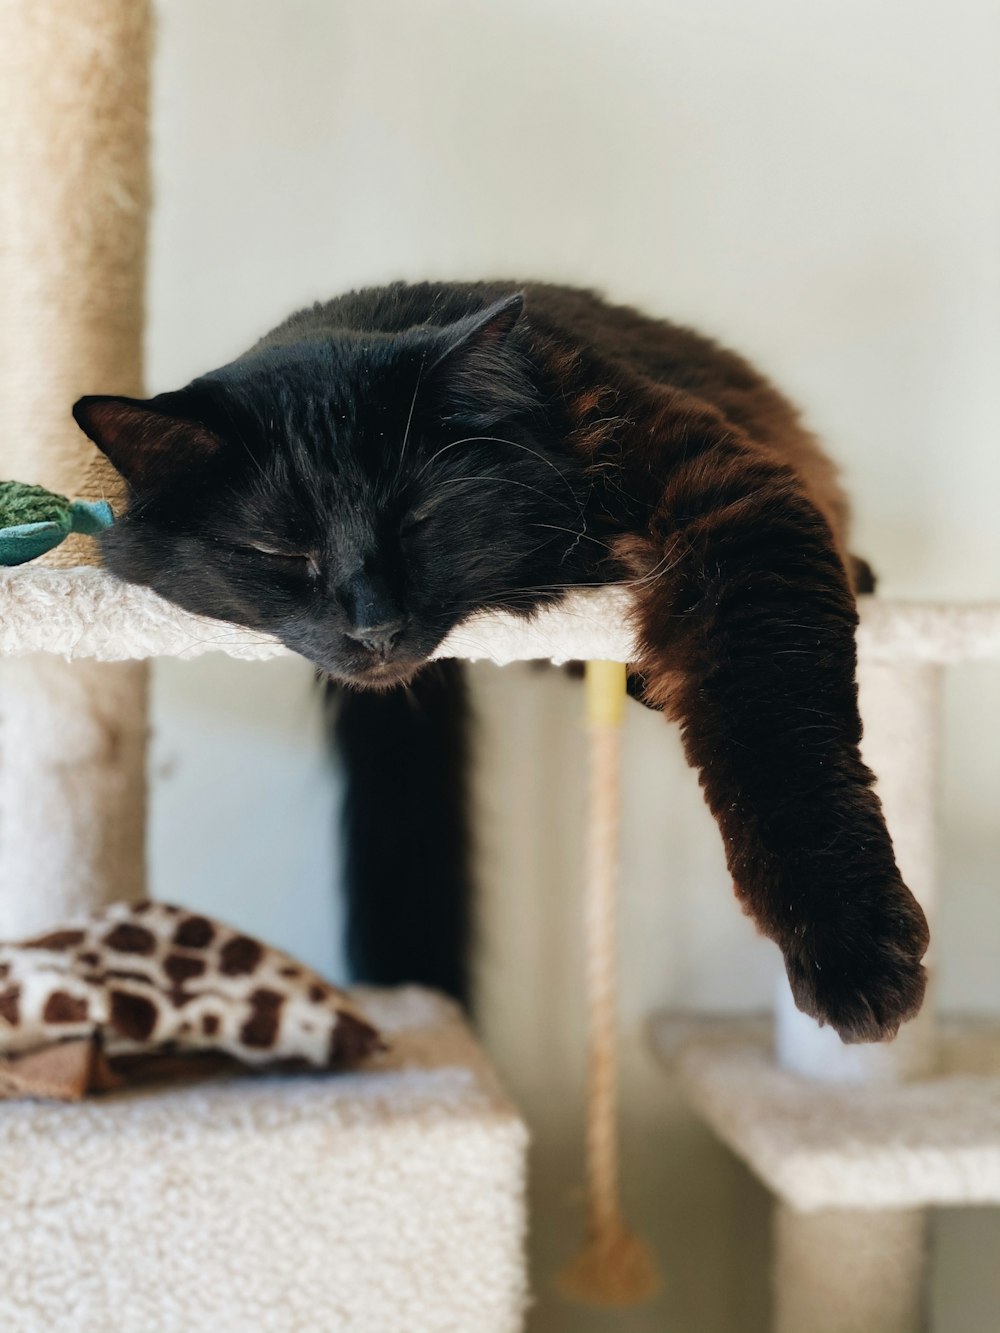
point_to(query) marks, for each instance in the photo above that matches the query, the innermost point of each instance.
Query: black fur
(380, 467)
(407, 870)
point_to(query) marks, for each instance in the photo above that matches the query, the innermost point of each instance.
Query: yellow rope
(614, 1267)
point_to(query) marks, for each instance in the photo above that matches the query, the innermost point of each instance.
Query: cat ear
(485, 330)
(484, 375)
(147, 441)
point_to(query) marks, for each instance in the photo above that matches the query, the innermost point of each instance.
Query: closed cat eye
(259, 548)
(305, 558)
(415, 520)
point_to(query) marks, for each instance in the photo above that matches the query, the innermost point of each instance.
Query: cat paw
(862, 974)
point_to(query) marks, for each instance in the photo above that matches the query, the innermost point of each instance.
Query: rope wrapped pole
(74, 91)
(614, 1267)
(74, 166)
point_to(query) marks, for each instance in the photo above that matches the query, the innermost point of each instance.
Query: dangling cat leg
(405, 826)
(746, 622)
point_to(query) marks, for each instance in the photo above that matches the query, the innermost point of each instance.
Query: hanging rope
(614, 1267)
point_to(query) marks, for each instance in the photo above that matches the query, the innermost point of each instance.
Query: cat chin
(377, 679)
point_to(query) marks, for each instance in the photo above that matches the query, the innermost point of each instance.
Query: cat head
(356, 495)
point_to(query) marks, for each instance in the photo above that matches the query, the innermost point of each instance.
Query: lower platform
(816, 1146)
(385, 1200)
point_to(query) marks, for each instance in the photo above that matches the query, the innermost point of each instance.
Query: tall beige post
(74, 199)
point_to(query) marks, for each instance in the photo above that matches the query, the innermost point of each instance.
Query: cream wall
(817, 184)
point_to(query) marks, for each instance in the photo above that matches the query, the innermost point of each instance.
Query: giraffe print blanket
(133, 987)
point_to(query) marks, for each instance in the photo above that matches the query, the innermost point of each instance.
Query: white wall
(819, 185)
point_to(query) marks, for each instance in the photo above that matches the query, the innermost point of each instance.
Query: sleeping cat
(381, 466)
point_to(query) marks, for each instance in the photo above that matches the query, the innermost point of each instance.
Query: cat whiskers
(413, 403)
(579, 536)
(513, 444)
(238, 640)
(500, 439)
(493, 480)
(526, 448)
(661, 567)
(479, 651)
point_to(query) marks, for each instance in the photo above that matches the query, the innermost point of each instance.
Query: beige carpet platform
(384, 1201)
(933, 1140)
(84, 612)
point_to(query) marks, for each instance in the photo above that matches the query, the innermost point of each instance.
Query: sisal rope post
(74, 92)
(614, 1267)
(74, 167)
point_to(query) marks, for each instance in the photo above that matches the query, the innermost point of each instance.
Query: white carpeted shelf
(84, 612)
(819, 1145)
(387, 1199)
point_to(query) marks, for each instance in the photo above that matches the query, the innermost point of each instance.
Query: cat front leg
(746, 621)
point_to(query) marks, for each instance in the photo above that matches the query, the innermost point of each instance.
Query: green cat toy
(34, 520)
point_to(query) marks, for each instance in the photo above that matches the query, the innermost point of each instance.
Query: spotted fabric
(151, 976)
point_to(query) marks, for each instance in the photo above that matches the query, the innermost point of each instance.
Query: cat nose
(375, 619)
(377, 638)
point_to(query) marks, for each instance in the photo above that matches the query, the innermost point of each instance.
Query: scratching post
(875, 1284)
(72, 789)
(74, 80)
(73, 160)
(614, 1267)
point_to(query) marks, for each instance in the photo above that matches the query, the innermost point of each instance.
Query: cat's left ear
(484, 374)
(485, 330)
(147, 441)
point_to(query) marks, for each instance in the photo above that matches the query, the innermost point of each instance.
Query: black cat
(383, 465)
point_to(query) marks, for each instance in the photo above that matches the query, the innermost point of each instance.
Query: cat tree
(393, 1201)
